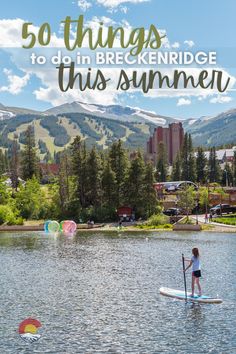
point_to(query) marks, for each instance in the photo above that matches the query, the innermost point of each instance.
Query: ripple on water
(99, 293)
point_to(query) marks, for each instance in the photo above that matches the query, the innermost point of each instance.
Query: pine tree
(7, 161)
(64, 189)
(201, 164)
(213, 167)
(56, 157)
(149, 193)
(29, 160)
(188, 167)
(108, 185)
(227, 176)
(176, 171)
(119, 165)
(48, 157)
(161, 173)
(94, 178)
(79, 170)
(191, 161)
(14, 164)
(135, 185)
(2, 162)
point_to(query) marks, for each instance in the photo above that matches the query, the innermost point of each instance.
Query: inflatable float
(67, 227)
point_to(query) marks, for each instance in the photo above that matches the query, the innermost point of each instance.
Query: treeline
(90, 184)
(195, 167)
(93, 184)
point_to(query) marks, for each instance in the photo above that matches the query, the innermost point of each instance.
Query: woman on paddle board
(196, 270)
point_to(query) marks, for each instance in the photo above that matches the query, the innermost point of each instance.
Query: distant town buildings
(223, 155)
(172, 138)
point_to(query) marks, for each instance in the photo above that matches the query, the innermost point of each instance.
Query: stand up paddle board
(179, 294)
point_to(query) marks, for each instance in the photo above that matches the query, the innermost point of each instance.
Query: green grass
(156, 221)
(226, 220)
(152, 227)
(206, 227)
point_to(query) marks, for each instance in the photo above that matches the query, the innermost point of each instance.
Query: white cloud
(11, 34)
(183, 102)
(175, 45)
(221, 99)
(124, 9)
(48, 90)
(189, 43)
(84, 5)
(115, 3)
(15, 83)
(164, 41)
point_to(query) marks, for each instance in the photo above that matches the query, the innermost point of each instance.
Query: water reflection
(195, 313)
(26, 242)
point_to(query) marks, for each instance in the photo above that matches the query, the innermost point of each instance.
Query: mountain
(10, 112)
(100, 125)
(213, 131)
(54, 132)
(115, 112)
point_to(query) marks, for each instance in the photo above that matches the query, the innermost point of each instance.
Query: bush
(31, 201)
(157, 220)
(7, 216)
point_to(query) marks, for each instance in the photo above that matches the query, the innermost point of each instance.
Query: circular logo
(28, 330)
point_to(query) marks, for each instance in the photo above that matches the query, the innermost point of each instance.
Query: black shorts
(197, 274)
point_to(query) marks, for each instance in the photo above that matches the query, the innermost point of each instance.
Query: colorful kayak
(179, 294)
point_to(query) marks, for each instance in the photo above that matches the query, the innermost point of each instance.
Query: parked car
(222, 209)
(172, 211)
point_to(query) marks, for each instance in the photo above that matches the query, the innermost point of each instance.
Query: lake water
(99, 293)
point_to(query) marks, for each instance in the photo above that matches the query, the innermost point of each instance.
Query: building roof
(221, 153)
(173, 185)
(124, 210)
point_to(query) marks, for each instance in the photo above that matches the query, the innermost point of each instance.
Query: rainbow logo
(28, 330)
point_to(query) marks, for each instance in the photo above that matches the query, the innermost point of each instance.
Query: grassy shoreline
(35, 226)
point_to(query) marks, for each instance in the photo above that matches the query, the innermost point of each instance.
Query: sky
(188, 25)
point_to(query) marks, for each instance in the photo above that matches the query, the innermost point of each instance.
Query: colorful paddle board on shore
(179, 294)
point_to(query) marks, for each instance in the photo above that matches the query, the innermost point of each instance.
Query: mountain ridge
(100, 125)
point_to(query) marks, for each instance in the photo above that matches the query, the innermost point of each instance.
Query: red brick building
(172, 138)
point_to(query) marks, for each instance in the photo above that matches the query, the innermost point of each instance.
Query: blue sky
(209, 25)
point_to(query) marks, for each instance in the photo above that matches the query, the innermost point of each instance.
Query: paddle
(185, 286)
